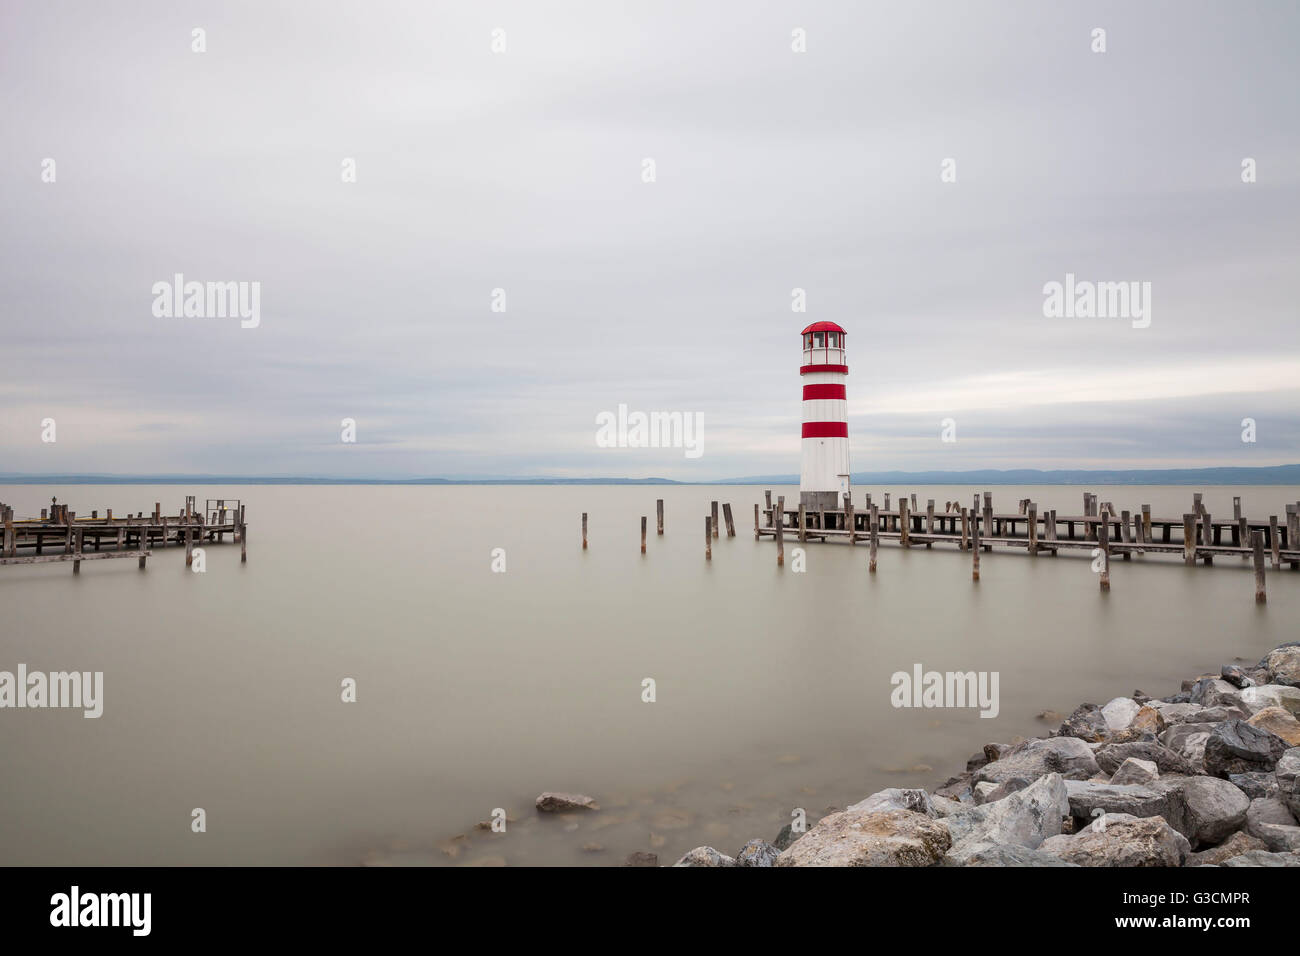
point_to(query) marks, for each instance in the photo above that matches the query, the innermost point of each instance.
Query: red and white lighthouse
(824, 476)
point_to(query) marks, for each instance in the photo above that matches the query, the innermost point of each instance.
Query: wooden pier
(1099, 528)
(60, 534)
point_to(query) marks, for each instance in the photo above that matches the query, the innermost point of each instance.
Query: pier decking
(61, 535)
(1100, 527)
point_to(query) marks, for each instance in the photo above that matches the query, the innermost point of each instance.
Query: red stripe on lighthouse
(805, 369)
(825, 429)
(824, 390)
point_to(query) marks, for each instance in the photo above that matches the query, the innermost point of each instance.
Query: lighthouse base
(820, 500)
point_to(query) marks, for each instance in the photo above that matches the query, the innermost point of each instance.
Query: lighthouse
(824, 476)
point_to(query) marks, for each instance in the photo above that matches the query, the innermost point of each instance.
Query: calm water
(479, 690)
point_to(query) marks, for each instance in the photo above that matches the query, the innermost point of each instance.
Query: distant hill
(1268, 475)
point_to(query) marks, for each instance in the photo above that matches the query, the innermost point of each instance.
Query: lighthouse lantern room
(824, 476)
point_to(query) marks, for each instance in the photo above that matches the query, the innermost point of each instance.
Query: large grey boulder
(1119, 839)
(1188, 740)
(1283, 664)
(894, 798)
(1110, 756)
(858, 838)
(1068, 756)
(1086, 723)
(1236, 676)
(1119, 713)
(1272, 695)
(1271, 820)
(705, 856)
(1024, 818)
(1257, 784)
(1263, 858)
(1235, 845)
(1135, 771)
(1087, 797)
(1213, 692)
(1287, 774)
(1211, 808)
(757, 853)
(1004, 854)
(1235, 746)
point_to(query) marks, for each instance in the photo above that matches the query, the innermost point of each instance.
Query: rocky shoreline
(1203, 777)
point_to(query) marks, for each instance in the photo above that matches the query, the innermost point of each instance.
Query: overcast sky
(523, 170)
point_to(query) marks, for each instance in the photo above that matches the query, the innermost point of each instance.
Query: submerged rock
(858, 838)
(549, 802)
(1119, 839)
(641, 858)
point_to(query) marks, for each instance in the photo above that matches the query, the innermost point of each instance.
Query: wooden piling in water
(767, 498)
(965, 529)
(975, 548)
(1274, 543)
(1189, 539)
(714, 512)
(584, 531)
(643, 534)
(756, 533)
(904, 535)
(1207, 536)
(1257, 547)
(1031, 510)
(803, 523)
(726, 515)
(1103, 544)
(874, 519)
(780, 531)
(659, 516)
(708, 538)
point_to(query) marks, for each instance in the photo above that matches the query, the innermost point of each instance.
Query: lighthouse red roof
(822, 327)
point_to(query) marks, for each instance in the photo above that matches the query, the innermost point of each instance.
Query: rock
(1212, 692)
(786, 837)
(1135, 770)
(957, 788)
(1270, 820)
(1003, 789)
(1148, 720)
(1086, 796)
(757, 853)
(1049, 716)
(1086, 723)
(1180, 698)
(894, 798)
(1235, 845)
(705, 856)
(559, 802)
(1025, 818)
(1272, 695)
(1211, 809)
(1188, 741)
(1257, 784)
(975, 761)
(1287, 775)
(1068, 756)
(641, 858)
(1280, 722)
(1263, 858)
(858, 838)
(1124, 840)
(1235, 676)
(1110, 756)
(996, 751)
(1237, 747)
(1119, 713)
(998, 854)
(1283, 664)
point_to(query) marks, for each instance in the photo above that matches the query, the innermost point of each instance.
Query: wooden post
(803, 523)
(726, 515)
(780, 532)
(848, 518)
(965, 529)
(714, 513)
(904, 538)
(1257, 544)
(1274, 543)
(189, 534)
(1031, 510)
(975, 548)
(1207, 535)
(886, 500)
(708, 538)
(929, 516)
(1196, 503)
(1189, 539)
(1124, 535)
(1243, 532)
(914, 508)
(767, 497)
(11, 539)
(659, 515)
(643, 534)
(1103, 543)
(243, 537)
(584, 531)
(874, 518)
(756, 535)
(76, 564)
(1236, 508)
